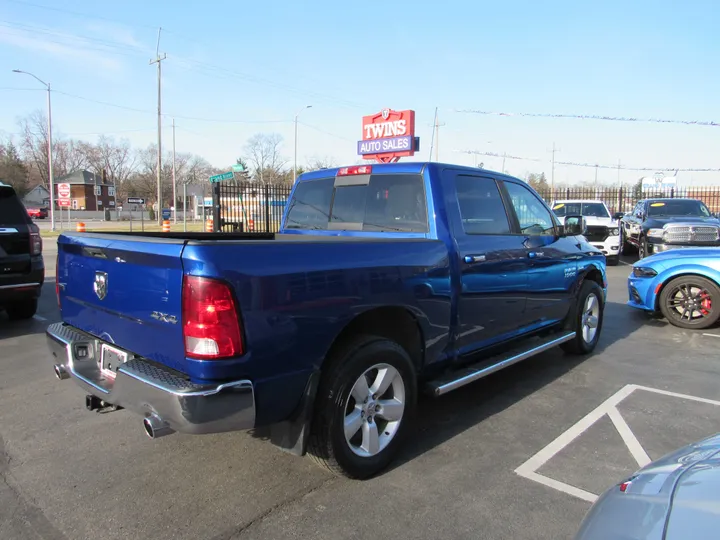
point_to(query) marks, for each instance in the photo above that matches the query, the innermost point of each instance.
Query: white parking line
(711, 335)
(629, 438)
(608, 407)
(39, 318)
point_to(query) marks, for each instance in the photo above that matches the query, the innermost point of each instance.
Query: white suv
(602, 227)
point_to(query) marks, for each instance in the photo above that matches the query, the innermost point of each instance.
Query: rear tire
(586, 320)
(22, 309)
(688, 296)
(364, 407)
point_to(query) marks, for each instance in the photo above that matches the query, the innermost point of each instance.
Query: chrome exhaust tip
(60, 372)
(155, 427)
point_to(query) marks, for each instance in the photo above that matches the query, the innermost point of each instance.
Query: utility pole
(438, 125)
(552, 174)
(296, 137)
(596, 171)
(174, 204)
(158, 60)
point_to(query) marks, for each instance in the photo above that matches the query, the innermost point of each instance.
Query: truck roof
(408, 167)
(572, 201)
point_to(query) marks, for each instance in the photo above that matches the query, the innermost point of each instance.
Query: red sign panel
(64, 202)
(64, 191)
(388, 135)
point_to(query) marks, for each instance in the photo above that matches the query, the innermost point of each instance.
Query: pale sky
(234, 69)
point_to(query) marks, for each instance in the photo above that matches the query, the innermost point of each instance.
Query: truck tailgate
(125, 290)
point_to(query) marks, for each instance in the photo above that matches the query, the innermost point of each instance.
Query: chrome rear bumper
(151, 391)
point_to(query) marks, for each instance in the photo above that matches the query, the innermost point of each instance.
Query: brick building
(88, 191)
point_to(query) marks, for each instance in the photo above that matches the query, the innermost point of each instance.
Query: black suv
(22, 270)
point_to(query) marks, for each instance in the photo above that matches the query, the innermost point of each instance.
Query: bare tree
(318, 163)
(68, 155)
(263, 151)
(34, 144)
(117, 159)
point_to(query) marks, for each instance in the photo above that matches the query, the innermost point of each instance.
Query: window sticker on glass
(655, 204)
(558, 206)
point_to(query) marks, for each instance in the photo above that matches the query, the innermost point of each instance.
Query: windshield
(389, 202)
(678, 207)
(12, 212)
(584, 209)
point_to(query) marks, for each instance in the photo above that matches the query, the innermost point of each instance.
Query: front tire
(22, 309)
(613, 261)
(691, 302)
(586, 320)
(364, 407)
(642, 249)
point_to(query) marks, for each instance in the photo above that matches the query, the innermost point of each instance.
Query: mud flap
(291, 435)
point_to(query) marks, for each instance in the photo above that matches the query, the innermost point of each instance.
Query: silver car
(676, 497)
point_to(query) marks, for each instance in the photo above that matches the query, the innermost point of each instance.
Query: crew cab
(22, 269)
(384, 281)
(603, 230)
(657, 225)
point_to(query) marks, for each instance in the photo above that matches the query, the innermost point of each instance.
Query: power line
(595, 165)
(79, 14)
(320, 130)
(709, 123)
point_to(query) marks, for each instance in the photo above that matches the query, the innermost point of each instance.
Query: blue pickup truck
(384, 281)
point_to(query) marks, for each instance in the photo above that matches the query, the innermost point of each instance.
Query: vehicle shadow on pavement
(47, 314)
(448, 416)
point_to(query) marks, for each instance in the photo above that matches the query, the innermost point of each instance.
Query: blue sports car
(683, 284)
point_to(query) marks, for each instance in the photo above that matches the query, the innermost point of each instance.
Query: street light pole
(51, 179)
(296, 140)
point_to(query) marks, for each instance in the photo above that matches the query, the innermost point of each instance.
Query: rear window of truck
(389, 202)
(12, 211)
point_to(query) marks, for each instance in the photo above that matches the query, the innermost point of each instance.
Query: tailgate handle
(95, 252)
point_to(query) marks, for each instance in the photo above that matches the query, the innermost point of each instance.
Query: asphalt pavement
(66, 473)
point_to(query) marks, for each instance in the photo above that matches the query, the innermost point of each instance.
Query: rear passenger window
(481, 208)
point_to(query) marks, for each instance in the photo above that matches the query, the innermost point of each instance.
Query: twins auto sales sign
(388, 135)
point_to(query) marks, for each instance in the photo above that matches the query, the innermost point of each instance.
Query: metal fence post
(267, 208)
(216, 206)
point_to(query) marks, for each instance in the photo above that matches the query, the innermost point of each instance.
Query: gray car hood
(676, 497)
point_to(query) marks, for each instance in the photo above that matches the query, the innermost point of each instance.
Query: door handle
(469, 259)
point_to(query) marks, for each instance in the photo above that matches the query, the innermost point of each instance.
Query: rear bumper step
(457, 379)
(151, 391)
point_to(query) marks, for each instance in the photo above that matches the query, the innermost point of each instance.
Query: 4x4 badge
(101, 284)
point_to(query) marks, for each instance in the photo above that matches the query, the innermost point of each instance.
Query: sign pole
(185, 207)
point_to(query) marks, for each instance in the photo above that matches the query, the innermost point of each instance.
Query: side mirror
(618, 216)
(575, 225)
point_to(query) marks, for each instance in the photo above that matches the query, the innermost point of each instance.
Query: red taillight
(35, 243)
(211, 326)
(356, 169)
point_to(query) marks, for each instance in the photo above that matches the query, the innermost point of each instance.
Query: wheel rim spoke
(391, 409)
(360, 390)
(353, 423)
(383, 380)
(370, 438)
